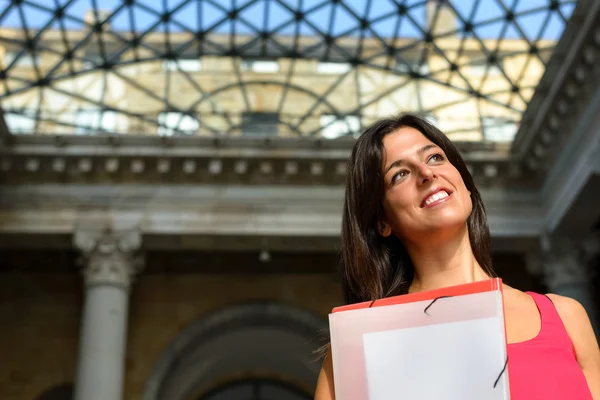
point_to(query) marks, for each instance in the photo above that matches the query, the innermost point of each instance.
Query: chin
(446, 223)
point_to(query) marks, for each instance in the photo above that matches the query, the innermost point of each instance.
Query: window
(260, 66)
(172, 122)
(498, 129)
(85, 121)
(408, 66)
(260, 124)
(19, 122)
(93, 60)
(25, 61)
(479, 68)
(432, 119)
(333, 127)
(185, 64)
(332, 68)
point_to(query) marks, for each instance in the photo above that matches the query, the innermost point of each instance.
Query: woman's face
(424, 192)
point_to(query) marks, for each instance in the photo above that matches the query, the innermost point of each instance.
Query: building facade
(171, 188)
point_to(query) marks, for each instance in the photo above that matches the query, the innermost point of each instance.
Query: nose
(426, 174)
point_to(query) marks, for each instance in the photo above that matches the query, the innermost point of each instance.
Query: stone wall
(41, 315)
(41, 302)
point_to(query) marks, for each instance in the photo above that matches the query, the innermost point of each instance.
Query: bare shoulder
(325, 389)
(572, 313)
(580, 331)
(515, 297)
(579, 328)
(576, 322)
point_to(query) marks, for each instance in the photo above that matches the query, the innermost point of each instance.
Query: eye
(399, 175)
(437, 157)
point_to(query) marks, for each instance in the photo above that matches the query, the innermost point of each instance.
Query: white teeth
(434, 197)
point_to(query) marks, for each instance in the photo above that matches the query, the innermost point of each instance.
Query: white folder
(446, 344)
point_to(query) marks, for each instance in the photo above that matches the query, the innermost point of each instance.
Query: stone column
(565, 266)
(110, 261)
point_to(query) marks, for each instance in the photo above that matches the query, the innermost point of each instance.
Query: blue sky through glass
(488, 17)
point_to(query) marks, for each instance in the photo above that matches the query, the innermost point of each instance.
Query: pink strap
(552, 327)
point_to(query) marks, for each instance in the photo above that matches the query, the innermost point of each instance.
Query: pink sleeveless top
(545, 367)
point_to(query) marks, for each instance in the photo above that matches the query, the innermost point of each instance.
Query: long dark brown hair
(373, 266)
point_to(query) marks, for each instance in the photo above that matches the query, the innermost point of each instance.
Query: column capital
(109, 256)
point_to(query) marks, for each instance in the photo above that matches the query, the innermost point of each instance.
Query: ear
(384, 229)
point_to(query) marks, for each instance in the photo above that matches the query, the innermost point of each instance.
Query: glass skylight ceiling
(272, 67)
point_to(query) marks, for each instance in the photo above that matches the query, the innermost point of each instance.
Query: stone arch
(59, 392)
(260, 340)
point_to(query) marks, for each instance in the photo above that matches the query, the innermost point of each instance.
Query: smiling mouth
(436, 198)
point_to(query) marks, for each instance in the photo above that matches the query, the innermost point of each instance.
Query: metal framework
(406, 35)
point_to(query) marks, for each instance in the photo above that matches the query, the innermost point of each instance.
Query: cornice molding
(563, 91)
(207, 161)
(217, 210)
(574, 166)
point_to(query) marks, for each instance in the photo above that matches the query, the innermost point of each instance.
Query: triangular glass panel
(546, 54)
(490, 30)
(293, 4)
(337, 54)
(144, 20)
(73, 17)
(153, 6)
(310, 4)
(488, 10)
(187, 16)
(253, 17)
(466, 8)
(13, 85)
(10, 17)
(279, 16)
(359, 8)
(533, 24)
(555, 28)
(319, 17)
(458, 81)
(386, 26)
(36, 18)
(121, 20)
(290, 29)
(442, 20)
(243, 27)
(567, 8)
(417, 19)
(344, 23)
(212, 17)
(252, 48)
(527, 93)
(528, 5)
(513, 33)
(382, 8)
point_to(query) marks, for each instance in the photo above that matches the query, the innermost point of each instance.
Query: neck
(447, 263)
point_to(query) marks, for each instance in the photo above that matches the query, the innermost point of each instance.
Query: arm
(324, 390)
(580, 332)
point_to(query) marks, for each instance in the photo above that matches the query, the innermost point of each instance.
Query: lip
(439, 201)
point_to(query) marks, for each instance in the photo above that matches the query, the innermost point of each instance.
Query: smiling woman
(414, 220)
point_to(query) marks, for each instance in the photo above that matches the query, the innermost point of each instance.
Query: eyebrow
(400, 161)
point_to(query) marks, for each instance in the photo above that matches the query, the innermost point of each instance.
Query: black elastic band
(501, 372)
(434, 300)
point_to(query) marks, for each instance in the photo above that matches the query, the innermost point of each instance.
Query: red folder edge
(488, 285)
